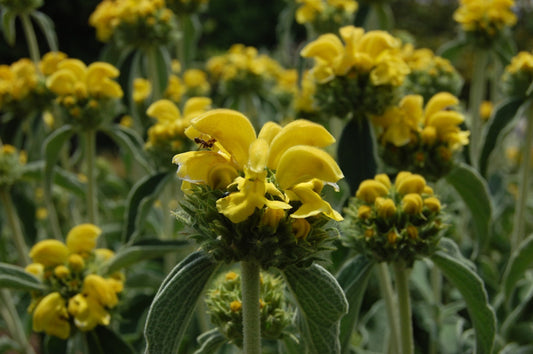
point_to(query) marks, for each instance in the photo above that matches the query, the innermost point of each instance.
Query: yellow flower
(370, 189)
(432, 204)
(103, 290)
(292, 152)
(301, 228)
(49, 62)
(235, 306)
(36, 269)
(488, 16)
(76, 262)
(399, 123)
(49, 253)
(82, 238)
(407, 182)
(87, 312)
(385, 207)
(50, 316)
(141, 89)
(231, 276)
(412, 203)
(438, 115)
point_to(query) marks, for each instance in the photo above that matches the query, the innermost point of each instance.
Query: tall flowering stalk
(395, 224)
(255, 199)
(517, 83)
(484, 23)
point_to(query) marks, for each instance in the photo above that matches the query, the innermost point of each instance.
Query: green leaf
(130, 141)
(47, 27)
(474, 191)
(450, 50)
(52, 147)
(503, 114)
(210, 342)
(103, 340)
(174, 303)
(62, 177)
(521, 260)
(353, 278)
(321, 302)
(115, 55)
(16, 277)
(139, 202)
(355, 153)
(8, 26)
(140, 251)
(472, 289)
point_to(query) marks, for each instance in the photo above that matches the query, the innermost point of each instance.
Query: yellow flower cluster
(360, 69)
(167, 136)
(11, 164)
(325, 15)
(518, 74)
(487, 18)
(82, 90)
(21, 87)
(133, 22)
(393, 222)
(242, 187)
(76, 295)
(193, 82)
(422, 139)
(243, 67)
(429, 73)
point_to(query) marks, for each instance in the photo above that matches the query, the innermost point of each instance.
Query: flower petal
(298, 132)
(164, 111)
(231, 129)
(82, 238)
(206, 167)
(439, 102)
(312, 203)
(302, 163)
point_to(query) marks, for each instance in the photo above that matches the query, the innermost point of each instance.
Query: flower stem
(436, 285)
(476, 96)
(153, 72)
(523, 182)
(390, 306)
(90, 151)
(250, 287)
(13, 322)
(401, 274)
(14, 223)
(33, 47)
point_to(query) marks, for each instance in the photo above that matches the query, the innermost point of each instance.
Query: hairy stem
(401, 274)
(250, 287)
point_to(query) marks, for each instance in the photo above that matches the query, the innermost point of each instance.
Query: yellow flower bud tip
(410, 184)
(385, 207)
(370, 189)
(428, 190)
(235, 306)
(369, 233)
(412, 203)
(412, 232)
(433, 204)
(300, 228)
(36, 269)
(61, 271)
(230, 276)
(103, 254)
(82, 238)
(272, 217)
(49, 253)
(261, 303)
(51, 316)
(364, 212)
(383, 179)
(76, 262)
(392, 236)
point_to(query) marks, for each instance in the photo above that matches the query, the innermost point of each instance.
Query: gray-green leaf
(521, 260)
(321, 302)
(174, 303)
(16, 277)
(472, 289)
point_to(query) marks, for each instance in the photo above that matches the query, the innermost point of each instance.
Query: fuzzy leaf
(16, 277)
(356, 153)
(130, 141)
(521, 260)
(503, 115)
(472, 289)
(139, 202)
(210, 342)
(8, 26)
(140, 251)
(52, 147)
(474, 191)
(175, 301)
(62, 177)
(353, 278)
(321, 302)
(47, 27)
